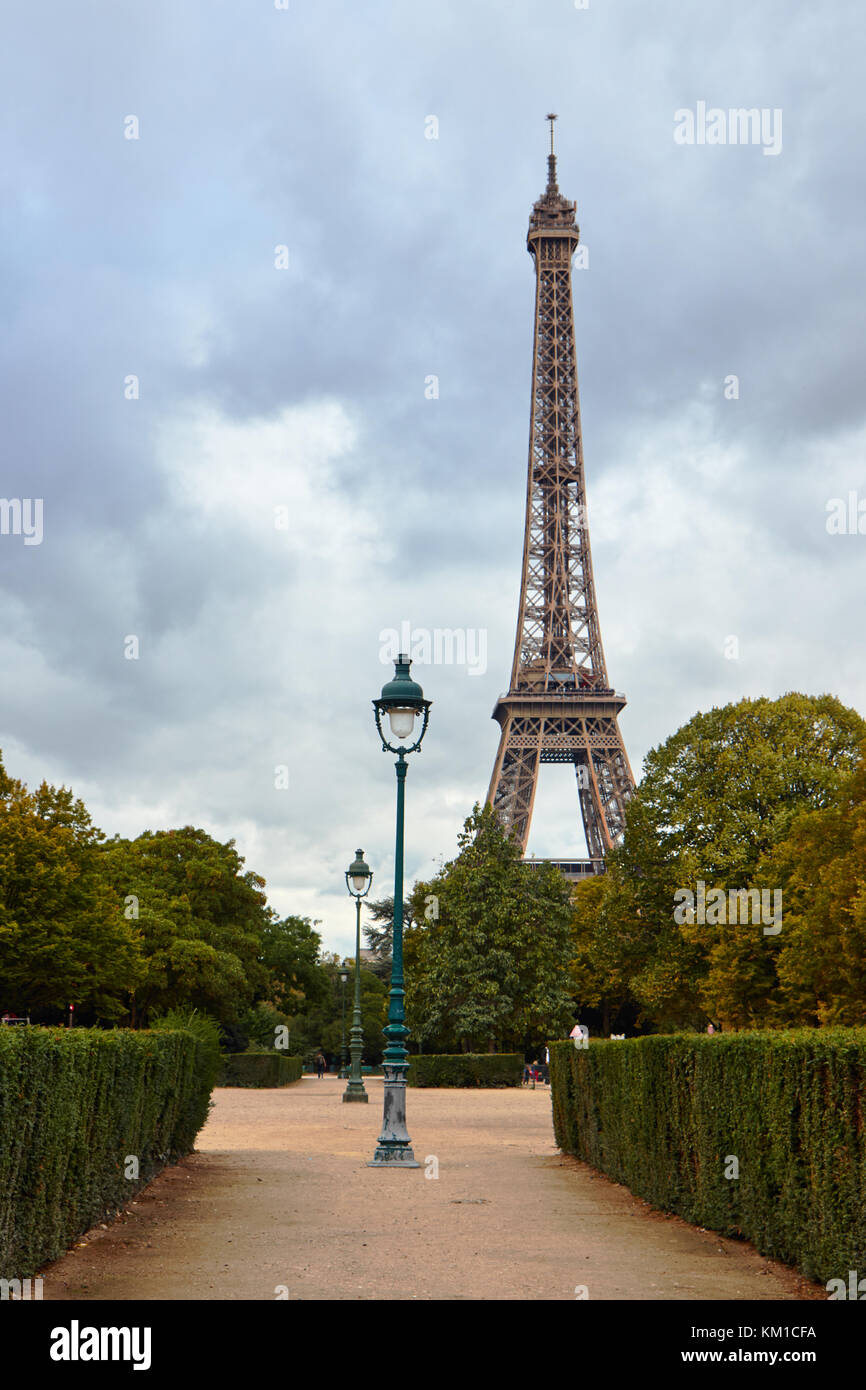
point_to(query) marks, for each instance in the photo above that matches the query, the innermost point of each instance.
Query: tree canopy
(487, 967)
(722, 802)
(63, 937)
(201, 920)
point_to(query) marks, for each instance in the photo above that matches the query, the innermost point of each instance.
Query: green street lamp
(344, 975)
(358, 880)
(402, 700)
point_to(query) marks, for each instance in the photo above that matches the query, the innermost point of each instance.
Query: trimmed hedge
(665, 1115)
(75, 1104)
(260, 1069)
(493, 1069)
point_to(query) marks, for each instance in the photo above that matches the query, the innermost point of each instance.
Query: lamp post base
(355, 1091)
(393, 1158)
(394, 1149)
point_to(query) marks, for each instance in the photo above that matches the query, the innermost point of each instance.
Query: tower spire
(551, 158)
(551, 209)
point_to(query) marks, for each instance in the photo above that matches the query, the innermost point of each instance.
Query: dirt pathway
(277, 1202)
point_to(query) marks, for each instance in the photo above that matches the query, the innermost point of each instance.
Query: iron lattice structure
(560, 706)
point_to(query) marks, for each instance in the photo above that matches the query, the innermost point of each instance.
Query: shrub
(234, 1038)
(666, 1115)
(202, 1027)
(260, 1069)
(490, 1069)
(260, 1024)
(76, 1105)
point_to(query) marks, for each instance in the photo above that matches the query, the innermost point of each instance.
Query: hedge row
(260, 1069)
(466, 1069)
(670, 1116)
(77, 1108)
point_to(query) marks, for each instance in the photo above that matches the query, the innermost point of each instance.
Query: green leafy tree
(379, 933)
(821, 949)
(489, 969)
(201, 918)
(726, 786)
(714, 801)
(63, 936)
(604, 952)
(263, 1024)
(320, 1024)
(638, 936)
(290, 954)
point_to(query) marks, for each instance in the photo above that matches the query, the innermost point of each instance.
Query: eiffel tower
(560, 707)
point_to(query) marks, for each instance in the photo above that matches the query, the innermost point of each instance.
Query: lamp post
(358, 880)
(344, 975)
(402, 700)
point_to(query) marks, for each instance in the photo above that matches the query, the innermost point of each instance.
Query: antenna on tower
(551, 158)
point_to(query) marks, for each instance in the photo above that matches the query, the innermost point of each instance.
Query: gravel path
(277, 1201)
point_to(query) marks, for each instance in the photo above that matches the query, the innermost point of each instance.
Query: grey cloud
(407, 258)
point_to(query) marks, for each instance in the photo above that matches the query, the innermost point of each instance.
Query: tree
(379, 934)
(320, 1023)
(728, 784)
(201, 917)
(261, 1026)
(603, 955)
(290, 954)
(489, 968)
(715, 800)
(821, 949)
(63, 936)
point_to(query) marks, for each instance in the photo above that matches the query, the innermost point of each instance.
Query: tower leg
(590, 806)
(515, 775)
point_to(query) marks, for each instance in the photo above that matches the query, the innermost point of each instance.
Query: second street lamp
(402, 701)
(358, 880)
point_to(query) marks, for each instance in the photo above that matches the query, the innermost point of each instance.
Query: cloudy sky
(282, 490)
